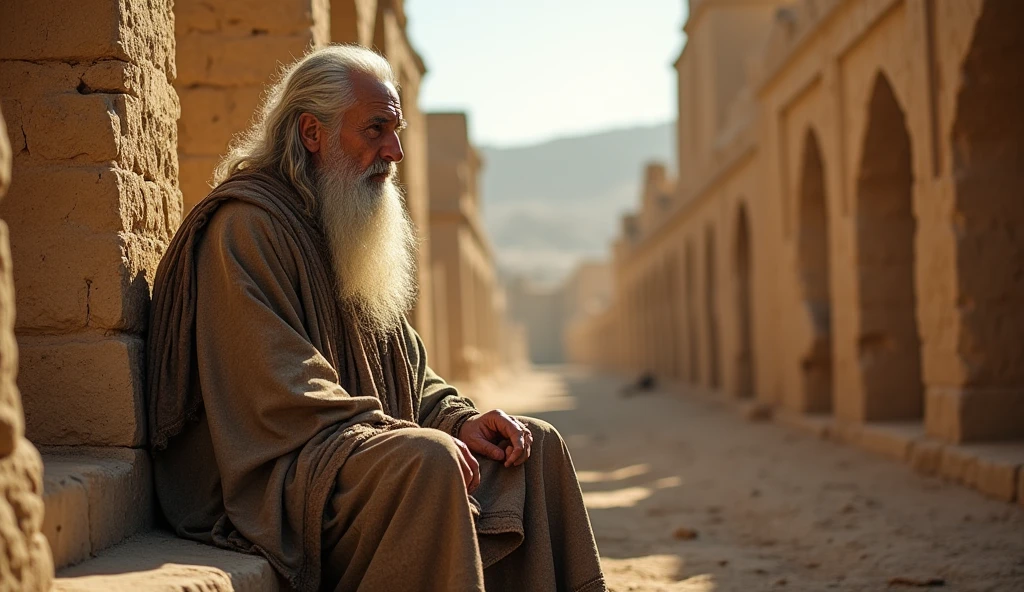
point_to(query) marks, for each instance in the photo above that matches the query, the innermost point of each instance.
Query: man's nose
(392, 149)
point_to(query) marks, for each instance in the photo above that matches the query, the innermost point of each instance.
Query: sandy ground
(685, 495)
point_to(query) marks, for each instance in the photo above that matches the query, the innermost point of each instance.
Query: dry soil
(685, 495)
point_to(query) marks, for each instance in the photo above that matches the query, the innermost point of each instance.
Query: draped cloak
(256, 445)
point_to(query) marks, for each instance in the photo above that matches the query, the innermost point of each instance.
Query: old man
(291, 408)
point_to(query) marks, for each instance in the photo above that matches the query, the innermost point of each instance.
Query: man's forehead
(376, 96)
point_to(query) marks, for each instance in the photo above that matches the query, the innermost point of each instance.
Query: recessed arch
(671, 320)
(742, 263)
(692, 342)
(888, 343)
(813, 259)
(988, 173)
(711, 306)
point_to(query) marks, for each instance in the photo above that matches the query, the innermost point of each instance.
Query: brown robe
(260, 392)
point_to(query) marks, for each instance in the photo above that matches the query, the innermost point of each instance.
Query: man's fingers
(516, 438)
(475, 466)
(527, 447)
(481, 446)
(467, 469)
(518, 446)
(474, 469)
(514, 432)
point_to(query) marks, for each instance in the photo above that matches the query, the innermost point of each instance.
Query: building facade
(842, 239)
(472, 331)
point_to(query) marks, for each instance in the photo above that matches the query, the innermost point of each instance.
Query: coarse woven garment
(260, 391)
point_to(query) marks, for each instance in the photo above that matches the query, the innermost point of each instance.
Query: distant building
(473, 338)
(844, 238)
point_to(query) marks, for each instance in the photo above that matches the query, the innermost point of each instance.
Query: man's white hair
(319, 84)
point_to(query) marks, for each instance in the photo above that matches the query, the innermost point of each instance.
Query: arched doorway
(711, 306)
(988, 172)
(692, 343)
(888, 344)
(671, 319)
(744, 303)
(813, 269)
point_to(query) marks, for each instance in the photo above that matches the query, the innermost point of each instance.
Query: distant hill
(548, 205)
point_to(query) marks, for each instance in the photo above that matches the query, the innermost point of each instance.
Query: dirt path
(684, 495)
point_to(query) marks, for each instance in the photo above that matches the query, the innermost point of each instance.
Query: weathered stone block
(150, 132)
(72, 126)
(926, 456)
(24, 80)
(147, 34)
(59, 197)
(997, 479)
(149, 208)
(110, 490)
(995, 467)
(235, 61)
(892, 440)
(255, 18)
(72, 280)
(210, 116)
(959, 465)
(61, 408)
(66, 521)
(61, 29)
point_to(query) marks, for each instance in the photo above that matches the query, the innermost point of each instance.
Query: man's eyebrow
(382, 120)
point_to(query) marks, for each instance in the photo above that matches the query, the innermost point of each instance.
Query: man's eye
(375, 130)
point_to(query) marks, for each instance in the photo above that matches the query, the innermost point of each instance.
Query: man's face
(368, 132)
(372, 240)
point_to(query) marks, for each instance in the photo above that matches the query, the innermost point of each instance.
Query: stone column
(86, 88)
(227, 53)
(26, 563)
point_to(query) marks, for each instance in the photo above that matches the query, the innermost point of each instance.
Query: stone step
(95, 498)
(158, 561)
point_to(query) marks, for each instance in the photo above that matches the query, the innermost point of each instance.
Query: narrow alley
(686, 495)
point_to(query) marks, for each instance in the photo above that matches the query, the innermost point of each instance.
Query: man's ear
(311, 132)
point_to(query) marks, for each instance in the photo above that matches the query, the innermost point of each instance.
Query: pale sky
(531, 70)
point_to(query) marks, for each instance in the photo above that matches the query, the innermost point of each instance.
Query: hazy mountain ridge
(548, 205)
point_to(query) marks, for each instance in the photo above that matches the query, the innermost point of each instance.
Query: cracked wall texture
(86, 89)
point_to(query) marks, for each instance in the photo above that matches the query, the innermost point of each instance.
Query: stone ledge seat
(99, 522)
(158, 561)
(95, 497)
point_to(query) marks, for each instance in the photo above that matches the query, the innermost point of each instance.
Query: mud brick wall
(85, 86)
(227, 53)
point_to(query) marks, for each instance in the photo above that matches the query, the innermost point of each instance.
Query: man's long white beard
(372, 242)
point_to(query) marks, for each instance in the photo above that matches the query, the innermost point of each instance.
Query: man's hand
(470, 466)
(497, 436)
